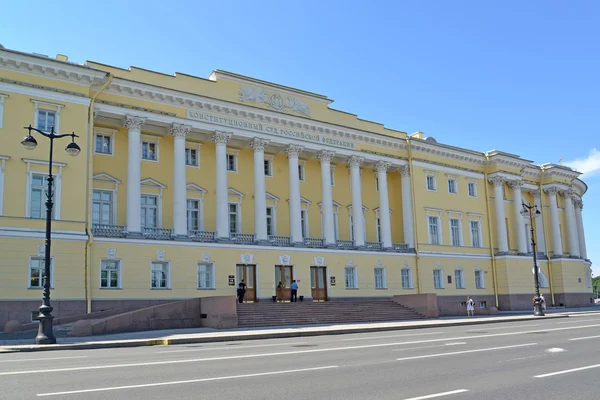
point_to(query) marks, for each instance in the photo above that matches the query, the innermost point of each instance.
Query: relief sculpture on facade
(273, 100)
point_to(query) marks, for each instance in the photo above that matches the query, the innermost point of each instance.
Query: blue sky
(520, 77)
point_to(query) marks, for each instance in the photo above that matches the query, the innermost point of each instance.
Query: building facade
(185, 186)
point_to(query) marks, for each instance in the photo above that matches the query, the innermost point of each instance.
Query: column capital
(552, 190)
(497, 180)
(293, 150)
(569, 193)
(382, 166)
(134, 122)
(221, 137)
(404, 170)
(259, 144)
(326, 156)
(355, 161)
(179, 130)
(536, 193)
(578, 203)
(516, 184)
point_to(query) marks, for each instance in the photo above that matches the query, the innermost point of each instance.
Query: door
(248, 274)
(318, 283)
(283, 275)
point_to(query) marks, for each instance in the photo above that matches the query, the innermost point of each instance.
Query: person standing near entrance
(470, 307)
(294, 287)
(241, 291)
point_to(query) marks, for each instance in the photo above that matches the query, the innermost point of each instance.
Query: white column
(134, 159)
(520, 224)
(498, 183)
(580, 231)
(293, 151)
(326, 196)
(539, 223)
(407, 208)
(384, 204)
(358, 229)
(260, 195)
(572, 234)
(179, 133)
(222, 196)
(555, 222)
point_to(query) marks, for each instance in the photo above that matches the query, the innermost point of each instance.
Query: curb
(258, 336)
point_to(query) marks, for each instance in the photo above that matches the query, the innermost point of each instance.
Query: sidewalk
(206, 335)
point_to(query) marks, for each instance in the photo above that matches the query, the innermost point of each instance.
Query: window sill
(351, 288)
(408, 288)
(212, 288)
(147, 159)
(103, 154)
(159, 288)
(192, 165)
(381, 288)
(110, 288)
(39, 288)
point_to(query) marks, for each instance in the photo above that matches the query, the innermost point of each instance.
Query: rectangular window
(406, 278)
(332, 175)
(268, 168)
(434, 230)
(350, 277)
(431, 182)
(193, 215)
(438, 281)
(452, 188)
(301, 172)
(149, 151)
(160, 275)
(459, 277)
(304, 222)
(231, 162)
(191, 157)
(483, 304)
(527, 237)
(103, 144)
(37, 272)
(110, 274)
(455, 232)
(233, 218)
(376, 183)
(472, 189)
(102, 207)
(378, 222)
(149, 211)
(270, 221)
(46, 120)
(335, 226)
(352, 225)
(479, 283)
(380, 278)
(37, 199)
(475, 234)
(206, 276)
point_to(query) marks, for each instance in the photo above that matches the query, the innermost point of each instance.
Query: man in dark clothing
(241, 291)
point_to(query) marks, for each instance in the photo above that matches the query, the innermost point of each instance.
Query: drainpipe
(88, 195)
(546, 239)
(415, 229)
(490, 233)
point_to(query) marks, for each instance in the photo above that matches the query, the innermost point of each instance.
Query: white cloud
(587, 166)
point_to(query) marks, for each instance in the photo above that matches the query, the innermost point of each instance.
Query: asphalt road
(540, 359)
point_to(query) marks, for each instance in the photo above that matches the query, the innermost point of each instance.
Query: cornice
(580, 187)
(453, 153)
(496, 157)
(428, 164)
(559, 171)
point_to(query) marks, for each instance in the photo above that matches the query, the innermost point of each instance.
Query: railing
(374, 245)
(202, 236)
(244, 238)
(158, 233)
(401, 247)
(314, 242)
(280, 240)
(108, 230)
(345, 244)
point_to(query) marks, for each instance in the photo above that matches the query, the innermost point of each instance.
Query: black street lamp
(45, 332)
(528, 211)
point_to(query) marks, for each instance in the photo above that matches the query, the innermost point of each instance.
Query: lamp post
(533, 212)
(45, 332)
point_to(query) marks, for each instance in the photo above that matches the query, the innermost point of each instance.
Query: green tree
(596, 284)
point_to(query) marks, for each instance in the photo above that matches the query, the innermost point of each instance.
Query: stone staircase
(331, 312)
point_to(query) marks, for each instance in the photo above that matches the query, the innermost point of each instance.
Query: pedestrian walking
(470, 307)
(241, 291)
(543, 301)
(294, 287)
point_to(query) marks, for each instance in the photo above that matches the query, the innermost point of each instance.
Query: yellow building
(185, 186)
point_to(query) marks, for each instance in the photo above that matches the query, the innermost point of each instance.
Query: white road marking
(455, 343)
(420, 347)
(392, 336)
(503, 327)
(572, 320)
(42, 359)
(555, 350)
(231, 347)
(586, 337)
(518, 359)
(465, 352)
(220, 378)
(567, 371)
(433, 396)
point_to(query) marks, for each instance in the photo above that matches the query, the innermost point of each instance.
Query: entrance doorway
(283, 274)
(318, 283)
(248, 274)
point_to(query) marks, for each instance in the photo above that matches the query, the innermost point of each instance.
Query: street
(543, 359)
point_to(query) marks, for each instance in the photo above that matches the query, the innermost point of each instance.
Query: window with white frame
(350, 277)
(455, 234)
(2, 97)
(335, 223)
(149, 211)
(160, 275)
(452, 186)
(376, 183)
(194, 214)
(191, 157)
(475, 234)
(149, 150)
(206, 276)
(380, 281)
(332, 174)
(301, 172)
(378, 223)
(234, 218)
(46, 120)
(37, 196)
(37, 272)
(406, 275)
(271, 221)
(459, 278)
(472, 187)
(479, 279)
(438, 278)
(431, 182)
(434, 230)
(104, 144)
(351, 219)
(102, 207)
(304, 222)
(268, 168)
(527, 235)
(232, 162)
(110, 274)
